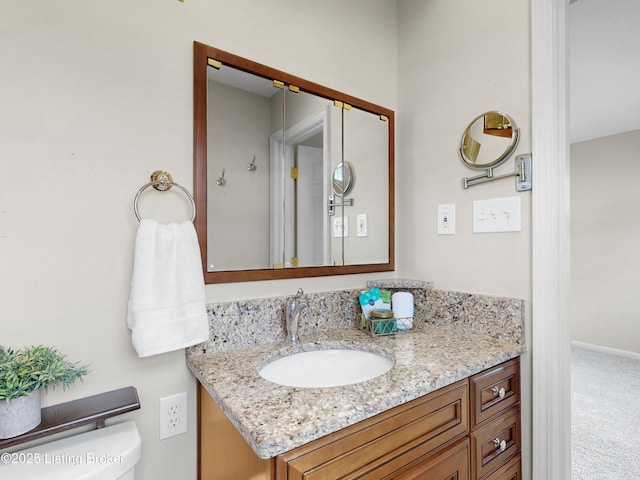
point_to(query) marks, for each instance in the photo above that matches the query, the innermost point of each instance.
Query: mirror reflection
(489, 140)
(342, 179)
(365, 143)
(239, 107)
(277, 147)
(300, 181)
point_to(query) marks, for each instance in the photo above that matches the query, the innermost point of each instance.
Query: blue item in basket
(372, 299)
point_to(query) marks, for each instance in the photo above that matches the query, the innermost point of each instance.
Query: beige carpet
(605, 417)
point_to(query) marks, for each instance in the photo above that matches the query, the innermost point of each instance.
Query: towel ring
(162, 181)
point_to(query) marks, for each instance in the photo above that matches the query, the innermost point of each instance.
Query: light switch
(497, 215)
(341, 226)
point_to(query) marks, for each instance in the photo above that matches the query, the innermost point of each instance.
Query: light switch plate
(497, 215)
(341, 226)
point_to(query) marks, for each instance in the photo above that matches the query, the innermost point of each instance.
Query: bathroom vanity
(449, 408)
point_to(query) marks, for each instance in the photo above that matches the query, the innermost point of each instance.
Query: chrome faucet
(294, 308)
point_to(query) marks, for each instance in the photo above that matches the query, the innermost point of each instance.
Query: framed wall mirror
(267, 145)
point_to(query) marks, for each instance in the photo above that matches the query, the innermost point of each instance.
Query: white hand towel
(167, 308)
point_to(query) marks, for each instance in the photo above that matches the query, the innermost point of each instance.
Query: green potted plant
(23, 375)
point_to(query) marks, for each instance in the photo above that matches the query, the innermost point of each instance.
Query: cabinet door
(451, 464)
(385, 443)
(224, 454)
(495, 443)
(511, 471)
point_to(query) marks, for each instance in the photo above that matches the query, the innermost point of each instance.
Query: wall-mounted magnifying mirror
(342, 179)
(489, 140)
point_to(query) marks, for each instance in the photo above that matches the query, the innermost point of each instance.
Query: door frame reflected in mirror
(202, 54)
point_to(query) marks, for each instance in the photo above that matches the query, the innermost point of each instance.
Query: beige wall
(455, 61)
(242, 203)
(96, 97)
(605, 227)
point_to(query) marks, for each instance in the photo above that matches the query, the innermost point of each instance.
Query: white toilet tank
(109, 453)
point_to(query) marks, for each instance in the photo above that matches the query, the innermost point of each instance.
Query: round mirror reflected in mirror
(489, 140)
(342, 179)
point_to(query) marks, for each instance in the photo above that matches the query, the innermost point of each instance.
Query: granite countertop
(274, 419)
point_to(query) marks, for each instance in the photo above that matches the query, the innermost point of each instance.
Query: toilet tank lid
(102, 454)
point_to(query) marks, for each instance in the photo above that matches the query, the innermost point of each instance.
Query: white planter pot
(20, 415)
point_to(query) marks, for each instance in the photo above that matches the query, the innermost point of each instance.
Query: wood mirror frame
(204, 52)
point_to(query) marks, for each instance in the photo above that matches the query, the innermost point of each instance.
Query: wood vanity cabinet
(398, 440)
(448, 434)
(495, 422)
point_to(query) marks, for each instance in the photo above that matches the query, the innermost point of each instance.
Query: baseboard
(600, 348)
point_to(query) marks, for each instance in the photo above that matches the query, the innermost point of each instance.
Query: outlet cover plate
(362, 223)
(173, 415)
(447, 219)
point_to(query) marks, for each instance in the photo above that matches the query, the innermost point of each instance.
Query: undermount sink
(325, 368)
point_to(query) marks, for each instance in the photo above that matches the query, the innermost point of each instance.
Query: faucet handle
(301, 300)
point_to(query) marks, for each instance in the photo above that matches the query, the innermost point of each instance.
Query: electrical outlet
(173, 415)
(447, 219)
(361, 220)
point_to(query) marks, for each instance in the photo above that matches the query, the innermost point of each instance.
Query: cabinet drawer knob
(502, 445)
(498, 393)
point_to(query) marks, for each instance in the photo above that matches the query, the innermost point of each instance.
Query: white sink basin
(325, 368)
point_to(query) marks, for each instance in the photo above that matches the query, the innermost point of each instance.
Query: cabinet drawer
(495, 443)
(385, 443)
(494, 390)
(511, 471)
(451, 464)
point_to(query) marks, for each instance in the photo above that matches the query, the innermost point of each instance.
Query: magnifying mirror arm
(487, 176)
(522, 174)
(346, 202)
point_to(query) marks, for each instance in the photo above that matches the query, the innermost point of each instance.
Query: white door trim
(551, 392)
(281, 191)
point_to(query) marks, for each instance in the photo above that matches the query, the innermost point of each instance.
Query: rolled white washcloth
(402, 304)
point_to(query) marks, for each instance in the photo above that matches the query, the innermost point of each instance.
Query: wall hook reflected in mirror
(221, 181)
(252, 166)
